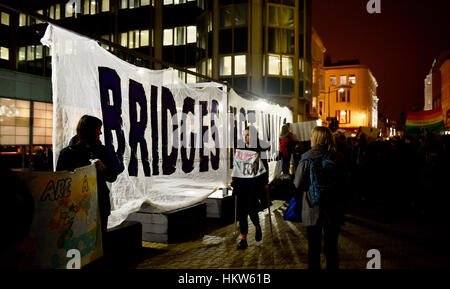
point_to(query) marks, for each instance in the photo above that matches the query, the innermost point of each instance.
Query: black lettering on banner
(155, 138)
(60, 191)
(215, 158)
(112, 120)
(137, 128)
(168, 103)
(187, 163)
(204, 160)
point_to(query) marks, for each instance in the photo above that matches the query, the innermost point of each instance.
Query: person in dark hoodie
(250, 191)
(84, 148)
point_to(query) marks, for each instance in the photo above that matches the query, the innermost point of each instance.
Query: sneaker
(242, 245)
(258, 235)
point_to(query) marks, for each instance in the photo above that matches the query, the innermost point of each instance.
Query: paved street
(403, 245)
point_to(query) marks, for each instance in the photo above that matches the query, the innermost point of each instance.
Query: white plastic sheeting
(78, 89)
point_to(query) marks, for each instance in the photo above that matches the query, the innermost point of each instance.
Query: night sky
(398, 45)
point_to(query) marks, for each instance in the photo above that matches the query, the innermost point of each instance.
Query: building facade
(428, 91)
(350, 95)
(318, 74)
(260, 47)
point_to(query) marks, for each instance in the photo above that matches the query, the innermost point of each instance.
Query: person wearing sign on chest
(250, 181)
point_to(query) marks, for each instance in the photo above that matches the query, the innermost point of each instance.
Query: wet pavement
(402, 245)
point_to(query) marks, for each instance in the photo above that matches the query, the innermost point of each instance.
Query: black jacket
(78, 155)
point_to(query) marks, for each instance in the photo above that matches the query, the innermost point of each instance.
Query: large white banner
(168, 141)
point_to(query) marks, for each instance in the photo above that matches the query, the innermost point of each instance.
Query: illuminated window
(22, 53)
(274, 64)
(332, 80)
(168, 37)
(105, 5)
(5, 18)
(191, 34)
(124, 39)
(4, 53)
(42, 122)
(240, 64)
(70, 9)
(287, 66)
(15, 122)
(22, 20)
(133, 39)
(52, 12)
(342, 80)
(40, 12)
(209, 67)
(39, 52)
(180, 36)
(123, 4)
(287, 17)
(179, 2)
(145, 37)
(225, 65)
(343, 116)
(190, 78)
(168, 2)
(145, 2)
(314, 75)
(351, 79)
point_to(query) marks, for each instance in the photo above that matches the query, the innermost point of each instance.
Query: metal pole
(235, 213)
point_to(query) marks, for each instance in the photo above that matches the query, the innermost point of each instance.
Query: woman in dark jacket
(250, 192)
(326, 216)
(84, 148)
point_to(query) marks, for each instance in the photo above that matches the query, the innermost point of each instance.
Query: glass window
(145, 2)
(105, 5)
(351, 79)
(22, 53)
(124, 39)
(39, 52)
(58, 11)
(274, 64)
(287, 18)
(274, 15)
(168, 2)
(209, 66)
(5, 18)
(52, 12)
(240, 64)
(287, 66)
(240, 15)
(226, 17)
(190, 78)
(42, 123)
(123, 4)
(4, 53)
(22, 20)
(40, 12)
(133, 39)
(145, 37)
(332, 80)
(342, 80)
(69, 10)
(86, 7)
(15, 124)
(225, 65)
(179, 2)
(191, 34)
(168, 37)
(180, 35)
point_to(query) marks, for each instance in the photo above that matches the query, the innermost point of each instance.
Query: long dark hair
(86, 129)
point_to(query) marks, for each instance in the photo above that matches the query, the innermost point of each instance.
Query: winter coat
(285, 141)
(320, 214)
(78, 155)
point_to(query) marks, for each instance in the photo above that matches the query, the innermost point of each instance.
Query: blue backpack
(324, 176)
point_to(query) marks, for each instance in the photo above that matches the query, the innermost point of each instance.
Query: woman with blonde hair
(319, 177)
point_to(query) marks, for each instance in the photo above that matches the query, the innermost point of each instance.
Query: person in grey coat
(324, 216)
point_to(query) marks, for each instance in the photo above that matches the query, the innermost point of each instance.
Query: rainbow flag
(424, 122)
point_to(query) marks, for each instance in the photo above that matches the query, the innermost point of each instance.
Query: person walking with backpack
(320, 176)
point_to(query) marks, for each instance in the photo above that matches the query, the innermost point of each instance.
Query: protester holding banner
(321, 167)
(250, 180)
(84, 148)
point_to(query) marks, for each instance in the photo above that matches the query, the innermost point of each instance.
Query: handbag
(294, 211)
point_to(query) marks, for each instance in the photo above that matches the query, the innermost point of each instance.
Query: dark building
(259, 47)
